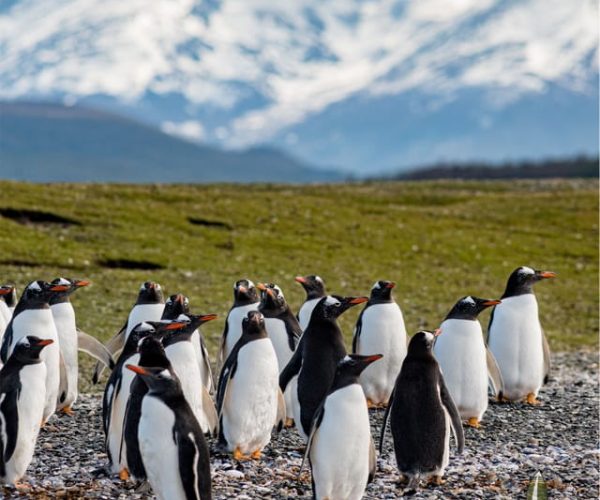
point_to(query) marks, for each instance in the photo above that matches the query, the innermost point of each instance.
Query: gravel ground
(559, 438)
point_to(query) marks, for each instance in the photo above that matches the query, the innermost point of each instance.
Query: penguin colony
(277, 370)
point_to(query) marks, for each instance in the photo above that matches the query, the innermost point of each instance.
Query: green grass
(438, 240)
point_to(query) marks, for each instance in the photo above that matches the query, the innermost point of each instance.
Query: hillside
(438, 240)
(44, 142)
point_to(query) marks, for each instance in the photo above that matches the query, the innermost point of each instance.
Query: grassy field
(438, 240)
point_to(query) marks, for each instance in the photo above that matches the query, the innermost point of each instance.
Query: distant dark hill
(580, 166)
(50, 142)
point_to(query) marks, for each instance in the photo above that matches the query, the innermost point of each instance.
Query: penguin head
(422, 342)
(382, 290)
(254, 324)
(158, 379)
(271, 296)
(313, 285)
(8, 294)
(175, 305)
(194, 321)
(65, 287)
(332, 306)
(150, 293)
(354, 364)
(40, 292)
(244, 292)
(522, 280)
(152, 353)
(28, 348)
(469, 307)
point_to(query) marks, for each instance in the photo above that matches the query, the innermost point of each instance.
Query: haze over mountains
(365, 86)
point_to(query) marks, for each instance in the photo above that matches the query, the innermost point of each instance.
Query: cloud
(190, 130)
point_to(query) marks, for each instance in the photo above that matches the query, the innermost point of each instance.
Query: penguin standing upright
(180, 351)
(464, 359)
(22, 397)
(173, 449)
(245, 299)
(149, 306)
(6, 293)
(283, 330)
(250, 402)
(32, 316)
(314, 287)
(10, 299)
(422, 415)
(340, 446)
(315, 364)
(380, 328)
(175, 306)
(516, 338)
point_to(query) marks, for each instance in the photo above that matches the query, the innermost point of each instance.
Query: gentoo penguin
(380, 328)
(316, 360)
(149, 306)
(172, 446)
(314, 287)
(11, 298)
(22, 397)
(340, 447)
(116, 392)
(32, 316)
(245, 299)
(250, 402)
(71, 339)
(6, 295)
(465, 361)
(152, 354)
(516, 338)
(283, 330)
(422, 414)
(175, 306)
(180, 351)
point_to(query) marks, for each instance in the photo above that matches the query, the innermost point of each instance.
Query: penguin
(152, 354)
(340, 447)
(465, 361)
(6, 296)
(116, 392)
(175, 306)
(314, 286)
(173, 449)
(32, 316)
(71, 339)
(316, 360)
(10, 298)
(422, 414)
(283, 330)
(516, 338)
(180, 352)
(22, 397)
(250, 402)
(149, 306)
(245, 299)
(380, 328)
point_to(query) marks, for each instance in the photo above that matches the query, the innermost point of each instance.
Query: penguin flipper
(10, 412)
(292, 368)
(64, 382)
(114, 346)
(206, 362)
(455, 420)
(190, 449)
(92, 346)
(372, 461)
(221, 354)
(281, 411)
(210, 412)
(6, 342)
(226, 375)
(494, 375)
(386, 417)
(356, 336)
(547, 360)
(316, 423)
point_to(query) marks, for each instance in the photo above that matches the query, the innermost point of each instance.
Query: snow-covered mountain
(363, 85)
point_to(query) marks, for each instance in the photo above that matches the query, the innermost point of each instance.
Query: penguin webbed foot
(67, 410)
(289, 423)
(124, 474)
(239, 456)
(531, 399)
(474, 423)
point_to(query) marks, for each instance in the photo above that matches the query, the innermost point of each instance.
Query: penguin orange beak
(44, 342)
(547, 274)
(208, 317)
(375, 357)
(59, 288)
(137, 369)
(300, 279)
(261, 286)
(437, 332)
(80, 283)
(179, 298)
(242, 289)
(488, 303)
(176, 325)
(359, 300)
(391, 284)
(6, 291)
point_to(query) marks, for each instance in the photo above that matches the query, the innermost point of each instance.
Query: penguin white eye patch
(34, 286)
(332, 301)
(63, 281)
(469, 300)
(526, 270)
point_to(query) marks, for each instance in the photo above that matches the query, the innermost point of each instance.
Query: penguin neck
(244, 300)
(461, 315)
(177, 337)
(18, 360)
(342, 380)
(514, 289)
(30, 304)
(153, 358)
(273, 312)
(379, 300)
(314, 294)
(60, 299)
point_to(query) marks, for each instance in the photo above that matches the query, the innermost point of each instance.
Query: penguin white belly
(250, 408)
(460, 351)
(515, 339)
(340, 451)
(144, 312)
(278, 335)
(5, 312)
(116, 446)
(64, 319)
(383, 332)
(305, 312)
(183, 359)
(30, 407)
(158, 449)
(234, 326)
